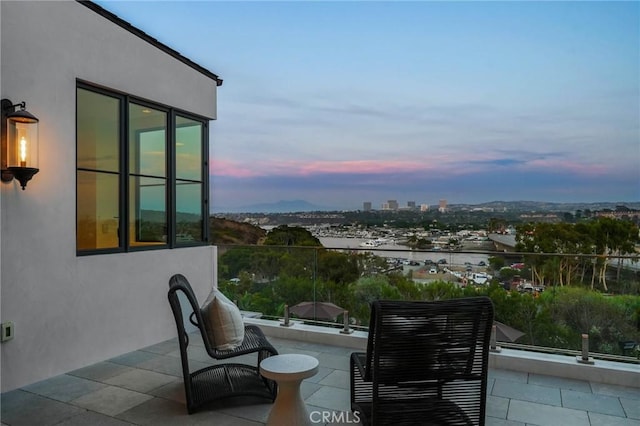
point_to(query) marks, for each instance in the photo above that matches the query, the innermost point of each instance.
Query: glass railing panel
(542, 301)
(263, 280)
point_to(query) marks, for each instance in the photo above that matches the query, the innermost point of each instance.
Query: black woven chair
(426, 363)
(224, 379)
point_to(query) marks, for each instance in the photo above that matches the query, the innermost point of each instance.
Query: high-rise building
(442, 206)
(424, 207)
(393, 204)
(366, 206)
(411, 204)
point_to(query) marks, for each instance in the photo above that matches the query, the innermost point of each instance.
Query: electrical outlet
(7, 331)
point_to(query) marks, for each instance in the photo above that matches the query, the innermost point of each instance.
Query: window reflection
(147, 171)
(189, 212)
(135, 190)
(98, 137)
(189, 193)
(97, 211)
(188, 149)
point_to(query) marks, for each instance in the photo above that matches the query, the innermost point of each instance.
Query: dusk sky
(338, 103)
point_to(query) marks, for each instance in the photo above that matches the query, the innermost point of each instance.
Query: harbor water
(392, 250)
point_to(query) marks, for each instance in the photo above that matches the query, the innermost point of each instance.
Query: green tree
(571, 244)
(613, 237)
(441, 290)
(285, 235)
(607, 319)
(496, 262)
(337, 267)
(235, 260)
(365, 291)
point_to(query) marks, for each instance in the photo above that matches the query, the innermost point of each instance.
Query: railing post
(492, 344)
(346, 329)
(584, 358)
(286, 317)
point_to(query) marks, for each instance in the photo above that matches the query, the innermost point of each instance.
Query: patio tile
(321, 374)
(19, 408)
(64, 387)
(168, 365)
(337, 379)
(631, 407)
(161, 412)
(150, 391)
(492, 421)
(514, 376)
(243, 410)
(331, 398)
(173, 391)
(111, 400)
(615, 390)
(560, 382)
(100, 371)
(527, 392)
(545, 415)
(292, 350)
(497, 406)
(133, 359)
(602, 404)
(176, 353)
(309, 346)
(93, 419)
(490, 383)
(308, 388)
(339, 350)
(140, 380)
(195, 338)
(598, 419)
(162, 348)
(196, 353)
(333, 361)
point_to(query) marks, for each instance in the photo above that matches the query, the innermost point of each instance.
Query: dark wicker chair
(224, 379)
(426, 363)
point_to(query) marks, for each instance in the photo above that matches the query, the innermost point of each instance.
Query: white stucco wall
(72, 311)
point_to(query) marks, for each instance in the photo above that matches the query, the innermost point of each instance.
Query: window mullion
(171, 180)
(205, 182)
(124, 175)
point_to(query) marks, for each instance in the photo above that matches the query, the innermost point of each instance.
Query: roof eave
(136, 31)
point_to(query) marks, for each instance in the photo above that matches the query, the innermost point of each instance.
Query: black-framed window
(142, 174)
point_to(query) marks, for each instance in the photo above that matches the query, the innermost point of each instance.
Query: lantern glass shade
(22, 140)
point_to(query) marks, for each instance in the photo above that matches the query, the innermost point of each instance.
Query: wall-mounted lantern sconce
(19, 143)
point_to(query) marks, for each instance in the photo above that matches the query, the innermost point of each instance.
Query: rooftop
(145, 387)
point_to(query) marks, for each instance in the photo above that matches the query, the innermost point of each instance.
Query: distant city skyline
(338, 103)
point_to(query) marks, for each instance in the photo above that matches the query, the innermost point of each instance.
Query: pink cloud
(303, 168)
(465, 164)
(567, 166)
(361, 166)
(230, 168)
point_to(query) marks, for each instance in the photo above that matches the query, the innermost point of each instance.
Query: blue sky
(343, 102)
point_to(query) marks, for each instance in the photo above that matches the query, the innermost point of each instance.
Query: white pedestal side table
(289, 370)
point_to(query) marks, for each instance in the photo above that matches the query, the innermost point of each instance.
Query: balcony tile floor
(144, 387)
